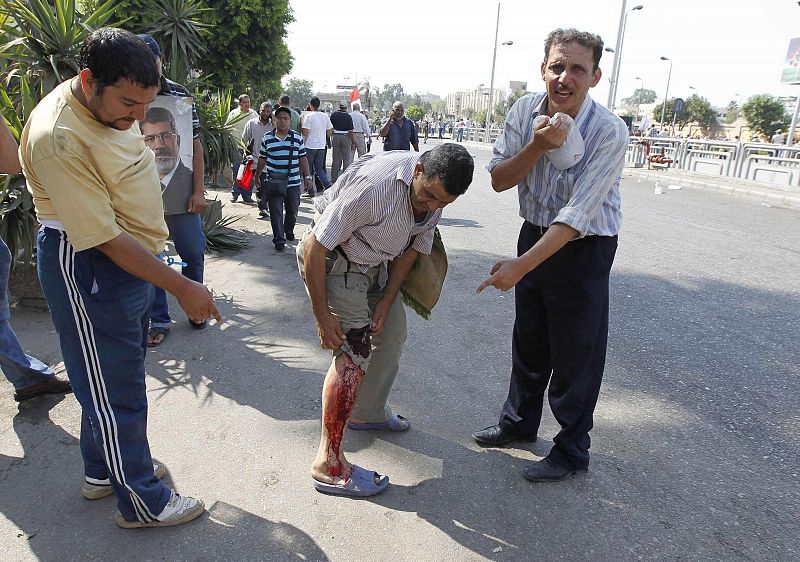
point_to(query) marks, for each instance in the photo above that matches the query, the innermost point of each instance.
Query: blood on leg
(344, 390)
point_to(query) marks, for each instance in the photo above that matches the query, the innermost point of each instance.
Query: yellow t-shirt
(95, 180)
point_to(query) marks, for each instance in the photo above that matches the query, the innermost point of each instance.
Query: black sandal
(153, 333)
(197, 325)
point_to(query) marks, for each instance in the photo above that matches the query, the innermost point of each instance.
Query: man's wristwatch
(308, 177)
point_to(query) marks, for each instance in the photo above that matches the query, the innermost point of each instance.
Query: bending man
(382, 209)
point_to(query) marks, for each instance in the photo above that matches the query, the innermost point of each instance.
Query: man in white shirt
(243, 114)
(778, 138)
(361, 130)
(317, 130)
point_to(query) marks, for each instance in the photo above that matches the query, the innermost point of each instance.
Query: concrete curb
(765, 193)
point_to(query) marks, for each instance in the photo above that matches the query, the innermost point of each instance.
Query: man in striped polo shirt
(366, 235)
(566, 248)
(284, 156)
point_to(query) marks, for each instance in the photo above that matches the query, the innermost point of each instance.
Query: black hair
(583, 38)
(282, 109)
(285, 99)
(160, 115)
(314, 102)
(452, 164)
(112, 54)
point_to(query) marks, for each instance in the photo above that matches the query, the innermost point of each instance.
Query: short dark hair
(452, 164)
(314, 102)
(282, 109)
(285, 100)
(112, 54)
(160, 115)
(583, 38)
(243, 97)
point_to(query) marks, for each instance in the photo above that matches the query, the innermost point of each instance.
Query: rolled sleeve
(511, 140)
(596, 182)
(423, 243)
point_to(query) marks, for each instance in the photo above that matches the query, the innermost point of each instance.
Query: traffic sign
(677, 106)
(341, 87)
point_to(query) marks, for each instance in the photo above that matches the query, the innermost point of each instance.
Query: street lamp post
(623, 21)
(639, 98)
(666, 95)
(491, 82)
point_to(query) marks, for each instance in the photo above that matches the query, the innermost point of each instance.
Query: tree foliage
(731, 112)
(640, 96)
(300, 91)
(765, 114)
(387, 95)
(696, 109)
(246, 51)
(414, 112)
(175, 24)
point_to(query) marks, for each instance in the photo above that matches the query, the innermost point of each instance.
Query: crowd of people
(96, 149)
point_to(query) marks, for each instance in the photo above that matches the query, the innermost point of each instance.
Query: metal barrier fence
(771, 163)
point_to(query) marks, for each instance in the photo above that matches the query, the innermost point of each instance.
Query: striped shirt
(283, 155)
(368, 211)
(586, 196)
(170, 88)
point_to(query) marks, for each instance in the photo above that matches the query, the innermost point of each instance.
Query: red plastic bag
(244, 178)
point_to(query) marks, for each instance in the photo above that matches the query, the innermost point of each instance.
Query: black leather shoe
(280, 246)
(546, 470)
(52, 385)
(496, 436)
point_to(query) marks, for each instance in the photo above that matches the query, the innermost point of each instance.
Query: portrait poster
(167, 130)
(791, 66)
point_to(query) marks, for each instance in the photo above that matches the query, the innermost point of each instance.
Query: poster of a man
(162, 134)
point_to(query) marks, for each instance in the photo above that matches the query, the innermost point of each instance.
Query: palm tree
(41, 40)
(175, 25)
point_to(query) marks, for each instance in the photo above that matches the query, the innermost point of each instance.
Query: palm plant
(219, 141)
(175, 25)
(43, 39)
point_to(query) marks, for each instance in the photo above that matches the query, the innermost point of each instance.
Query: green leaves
(765, 114)
(43, 39)
(216, 227)
(177, 27)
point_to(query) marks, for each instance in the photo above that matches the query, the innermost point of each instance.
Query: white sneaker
(179, 509)
(95, 488)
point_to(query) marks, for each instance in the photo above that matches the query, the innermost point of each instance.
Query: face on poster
(167, 130)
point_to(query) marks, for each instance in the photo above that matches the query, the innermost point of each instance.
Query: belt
(340, 133)
(540, 228)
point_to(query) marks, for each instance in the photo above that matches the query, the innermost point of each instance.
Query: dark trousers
(283, 225)
(101, 313)
(560, 336)
(316, 162)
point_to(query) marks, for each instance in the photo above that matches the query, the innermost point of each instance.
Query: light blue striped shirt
(586, 196)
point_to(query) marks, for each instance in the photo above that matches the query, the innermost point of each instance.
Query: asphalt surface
(694, 451)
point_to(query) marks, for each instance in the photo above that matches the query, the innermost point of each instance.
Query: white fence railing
(770, 163)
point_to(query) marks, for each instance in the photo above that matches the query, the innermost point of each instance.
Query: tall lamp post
(639, 99)
(491, 82)
(666, 95)
(623, 21)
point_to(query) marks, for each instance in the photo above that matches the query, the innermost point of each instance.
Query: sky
(719, 47)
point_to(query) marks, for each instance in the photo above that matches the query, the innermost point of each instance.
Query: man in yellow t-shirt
(98, 197)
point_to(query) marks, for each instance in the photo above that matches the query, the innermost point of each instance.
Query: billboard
(791, 66)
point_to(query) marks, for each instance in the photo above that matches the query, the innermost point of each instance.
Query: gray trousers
(342, 156)
(361, 146)
(346, 299)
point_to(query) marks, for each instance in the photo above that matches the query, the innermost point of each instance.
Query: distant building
(458, 103)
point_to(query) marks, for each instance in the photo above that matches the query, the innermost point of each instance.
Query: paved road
(695, 449)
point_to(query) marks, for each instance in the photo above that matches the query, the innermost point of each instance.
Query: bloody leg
(338, 398)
